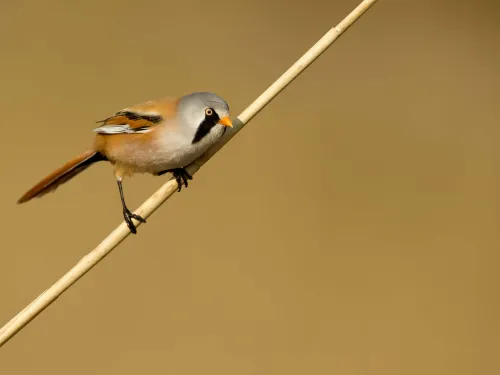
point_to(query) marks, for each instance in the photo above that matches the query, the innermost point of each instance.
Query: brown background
(352, 228)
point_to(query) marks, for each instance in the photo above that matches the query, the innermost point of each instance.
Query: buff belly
(154, 153)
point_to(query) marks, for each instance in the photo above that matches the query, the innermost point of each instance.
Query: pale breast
(163, 149)
(176, 150)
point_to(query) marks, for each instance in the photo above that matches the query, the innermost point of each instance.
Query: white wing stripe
(120, 129)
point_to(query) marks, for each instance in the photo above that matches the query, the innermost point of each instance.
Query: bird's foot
(181, 176)
(128, 219)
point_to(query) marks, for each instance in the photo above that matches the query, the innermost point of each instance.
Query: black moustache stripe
(206, 125)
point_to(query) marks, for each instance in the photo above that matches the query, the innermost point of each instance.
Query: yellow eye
(209, 112)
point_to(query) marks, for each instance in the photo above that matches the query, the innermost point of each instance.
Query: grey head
(203, 112)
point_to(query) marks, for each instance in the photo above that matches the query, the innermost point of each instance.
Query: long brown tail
(62, 175)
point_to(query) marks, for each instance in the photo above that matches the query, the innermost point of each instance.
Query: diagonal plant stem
(170, 187)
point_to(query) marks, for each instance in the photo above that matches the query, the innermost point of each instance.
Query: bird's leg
(127, 214)
(181, 176)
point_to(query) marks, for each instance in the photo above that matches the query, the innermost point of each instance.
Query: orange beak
(226, 121)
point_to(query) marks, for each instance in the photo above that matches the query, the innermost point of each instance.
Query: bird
(155, 137)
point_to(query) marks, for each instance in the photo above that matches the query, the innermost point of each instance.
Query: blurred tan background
(351, 228)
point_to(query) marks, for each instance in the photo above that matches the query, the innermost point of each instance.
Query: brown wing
(139, 118)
